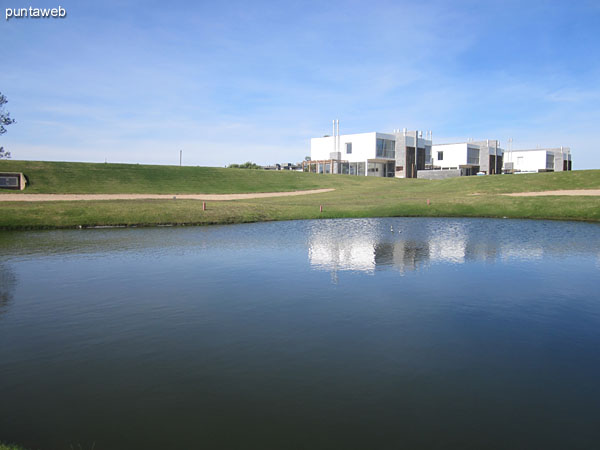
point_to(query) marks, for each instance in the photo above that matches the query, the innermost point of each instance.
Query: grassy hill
(353, 196)
(46, 177)
(86, 178)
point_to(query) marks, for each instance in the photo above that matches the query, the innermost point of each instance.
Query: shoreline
(218, 223)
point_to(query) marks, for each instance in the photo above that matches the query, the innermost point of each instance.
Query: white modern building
(466, 158)
(409, 154)
(538, 160)
(399, 154)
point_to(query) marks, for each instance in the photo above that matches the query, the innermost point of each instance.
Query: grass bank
(46, 177)
(353, 196)
(10, 447)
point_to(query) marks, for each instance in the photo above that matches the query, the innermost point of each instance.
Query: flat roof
(471, 143)
(546, 149)
(392, 135)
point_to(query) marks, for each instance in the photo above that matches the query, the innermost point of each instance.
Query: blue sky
(137, 81)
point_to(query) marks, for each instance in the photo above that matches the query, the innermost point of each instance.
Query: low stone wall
(438, 174)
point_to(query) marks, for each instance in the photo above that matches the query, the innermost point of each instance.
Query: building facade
(399, 154)
(538, 160)
(409, 154)
(469, 158)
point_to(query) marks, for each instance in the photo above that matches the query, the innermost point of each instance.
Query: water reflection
(402, 255)
(366, 246)
(342, 254)
(8, 283)
(347, 244)
(410, 244)
(381, 245)
(448, 243)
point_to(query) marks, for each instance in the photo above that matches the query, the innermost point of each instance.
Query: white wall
(363, 146)
(320, 148)
(454, 154)
(527, 161)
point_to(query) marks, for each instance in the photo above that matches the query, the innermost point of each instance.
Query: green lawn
(353, 196)
(86, 178)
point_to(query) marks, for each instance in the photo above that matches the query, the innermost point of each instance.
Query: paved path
(565, 192)
(212, 197)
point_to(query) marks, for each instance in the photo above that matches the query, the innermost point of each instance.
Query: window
(348, 148)
(440, 156)
(389, 169)
(375, 169)
(472, 156)
(386, 148)
(361, 169)
(549, 161)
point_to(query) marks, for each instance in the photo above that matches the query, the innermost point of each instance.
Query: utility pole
(180, 152)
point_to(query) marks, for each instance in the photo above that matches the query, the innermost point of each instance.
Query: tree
(5, 120)
(246, 165)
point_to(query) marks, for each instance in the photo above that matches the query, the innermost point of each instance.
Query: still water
(368, 333)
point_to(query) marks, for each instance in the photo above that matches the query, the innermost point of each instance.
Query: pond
(354, 333)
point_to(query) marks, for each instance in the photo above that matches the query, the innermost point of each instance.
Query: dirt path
(565, 192)
(212, 197)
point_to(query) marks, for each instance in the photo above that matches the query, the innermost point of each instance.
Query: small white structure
(398, 154)
(469, 158)
(538, 160)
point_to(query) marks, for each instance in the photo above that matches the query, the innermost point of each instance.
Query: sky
(229, 82)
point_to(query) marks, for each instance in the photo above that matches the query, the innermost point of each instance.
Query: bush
(246, 165)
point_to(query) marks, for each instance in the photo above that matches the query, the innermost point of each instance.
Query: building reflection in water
(374, 244)
(401, 255)
(364, 246)
(448, 243)
(342, 254)
(525, 252)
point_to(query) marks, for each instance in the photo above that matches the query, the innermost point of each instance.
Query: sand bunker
(565, 192)
(211, 197)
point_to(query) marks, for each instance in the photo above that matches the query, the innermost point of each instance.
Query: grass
(353, 197)
(85, 178)
(10, 447)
